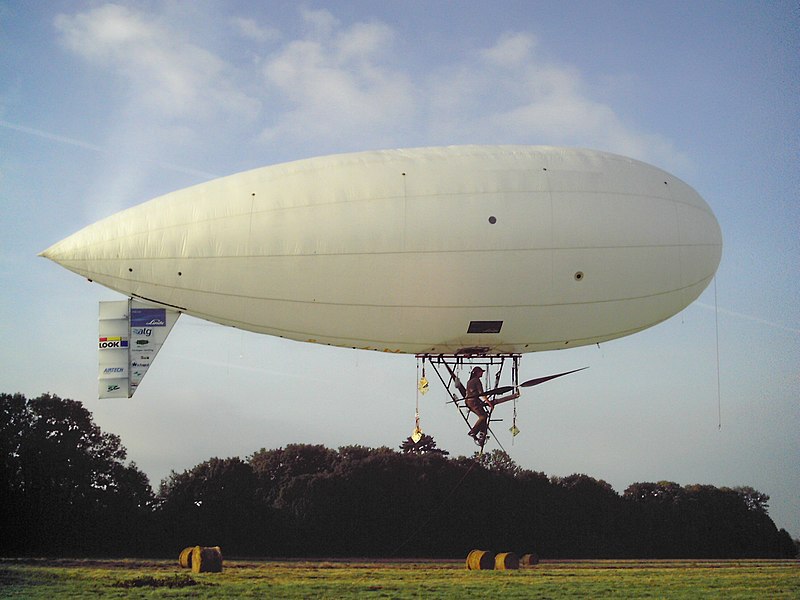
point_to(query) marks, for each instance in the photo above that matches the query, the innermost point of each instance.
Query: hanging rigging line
(716, 326)
(435, 512)
(416, 436)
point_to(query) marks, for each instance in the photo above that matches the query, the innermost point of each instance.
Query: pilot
(477, 402)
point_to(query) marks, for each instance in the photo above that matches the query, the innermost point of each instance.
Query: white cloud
(338, 89)
(166, 75)
(321, 22)
(363, 41)
(176, 94)
(508, 93)
(510, 50)
(250, 29)
(337, 86)
(93, 33)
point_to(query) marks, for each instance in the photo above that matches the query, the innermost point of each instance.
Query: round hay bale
(506, 561)
(206, 559)
(480, 560)
(185, 558)
(529, 560)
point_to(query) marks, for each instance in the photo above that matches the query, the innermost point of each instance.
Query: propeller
(538, 380)
(493, 392)
(499, 391)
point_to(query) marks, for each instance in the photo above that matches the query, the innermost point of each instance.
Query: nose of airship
(67, 252)
(62, 250)
(72, 252)
(95, 252)
(125, 252)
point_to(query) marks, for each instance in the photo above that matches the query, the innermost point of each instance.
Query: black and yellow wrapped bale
(480, 560)
(206, 559)
(185, 557)
(529, 560)
(506, 561)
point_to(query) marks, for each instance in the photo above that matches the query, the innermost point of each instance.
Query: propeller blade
(538, 380)
(499, 391)
(530, 383)
(493, 392)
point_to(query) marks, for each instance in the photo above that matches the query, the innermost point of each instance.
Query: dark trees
(65, 490)
(425, 444)
(701, 521)
(591, 518)
(214, 504)
(64, 484)
(275, 468)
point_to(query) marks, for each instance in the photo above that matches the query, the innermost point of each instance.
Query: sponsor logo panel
(107, 342)
(148, 317)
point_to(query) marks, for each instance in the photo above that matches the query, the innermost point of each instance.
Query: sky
(106, 105)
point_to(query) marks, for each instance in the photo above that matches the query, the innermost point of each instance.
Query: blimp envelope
(482, 249)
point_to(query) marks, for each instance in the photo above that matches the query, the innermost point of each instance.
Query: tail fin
(131, 333)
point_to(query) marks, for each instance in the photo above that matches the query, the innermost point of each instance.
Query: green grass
(66, 578)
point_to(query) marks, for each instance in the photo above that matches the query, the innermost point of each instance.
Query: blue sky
(103, 106)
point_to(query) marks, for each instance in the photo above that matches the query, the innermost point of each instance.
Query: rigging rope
(716, 327)
(417, 434)
(435, 512)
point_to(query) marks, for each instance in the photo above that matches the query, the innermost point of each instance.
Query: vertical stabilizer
(130, 335)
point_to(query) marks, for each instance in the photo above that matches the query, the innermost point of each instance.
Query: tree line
(67, 491)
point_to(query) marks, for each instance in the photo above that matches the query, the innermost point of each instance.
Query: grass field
(357, 578)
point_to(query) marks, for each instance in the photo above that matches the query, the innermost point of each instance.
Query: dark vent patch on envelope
(484, 326)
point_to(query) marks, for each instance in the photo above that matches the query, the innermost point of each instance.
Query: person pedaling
(477, 403)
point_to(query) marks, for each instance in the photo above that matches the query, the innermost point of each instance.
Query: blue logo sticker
(148, 317)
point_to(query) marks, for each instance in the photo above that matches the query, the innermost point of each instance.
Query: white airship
(478, 250)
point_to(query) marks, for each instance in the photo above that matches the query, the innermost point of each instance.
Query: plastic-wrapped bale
(480, 560)
(529, 560)
(206, 559)
(185, 558)
(506, 561)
